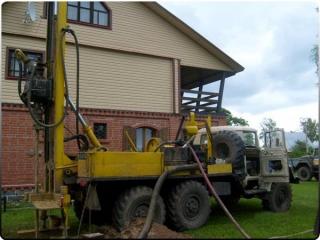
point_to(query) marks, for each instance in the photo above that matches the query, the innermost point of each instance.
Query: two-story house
(140, 68)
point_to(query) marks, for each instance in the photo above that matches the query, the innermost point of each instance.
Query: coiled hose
(28, 102)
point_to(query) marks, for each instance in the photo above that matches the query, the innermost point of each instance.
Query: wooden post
(199, 96)
(221, 92)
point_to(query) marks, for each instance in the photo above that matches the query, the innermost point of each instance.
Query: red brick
(18, 135)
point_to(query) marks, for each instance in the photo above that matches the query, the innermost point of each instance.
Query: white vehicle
(257, 172)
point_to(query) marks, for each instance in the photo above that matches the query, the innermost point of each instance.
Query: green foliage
(298, 149)
(249, 139)
(315, 55)
(310, 128)
(267, 125)
(234, 121)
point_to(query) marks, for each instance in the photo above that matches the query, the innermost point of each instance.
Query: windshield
(274, 139)
(249, 138)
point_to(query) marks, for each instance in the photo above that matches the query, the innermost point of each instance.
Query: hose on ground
(147, 225)
(216, 196)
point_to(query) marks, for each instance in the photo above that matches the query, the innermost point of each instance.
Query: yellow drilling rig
(107, 186)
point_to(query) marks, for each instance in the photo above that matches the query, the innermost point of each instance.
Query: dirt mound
(133, 230)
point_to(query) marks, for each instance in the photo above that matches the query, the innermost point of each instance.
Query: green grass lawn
(257, 222)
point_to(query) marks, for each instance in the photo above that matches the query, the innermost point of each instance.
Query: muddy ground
(133, 230)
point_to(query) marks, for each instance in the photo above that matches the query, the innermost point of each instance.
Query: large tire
(134, 203)
(279, 198)
(228, 145)
(188, 206)
(304, 173)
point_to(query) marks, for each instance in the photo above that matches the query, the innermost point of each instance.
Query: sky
(273, 42)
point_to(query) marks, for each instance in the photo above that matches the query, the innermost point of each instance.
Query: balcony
(193, 96)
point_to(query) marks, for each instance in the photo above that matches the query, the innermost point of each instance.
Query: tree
(315, 55)
(234, 121)
(298, 149)
(267, 125)
(310, 129)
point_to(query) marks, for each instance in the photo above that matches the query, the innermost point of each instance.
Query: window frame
(153, 134)
(7, 62)
(106, 133)
(109, 26)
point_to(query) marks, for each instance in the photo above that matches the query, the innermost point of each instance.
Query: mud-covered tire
(134, 203)
(304, 173)
(188, 206)
(229, 146)
(279, 198)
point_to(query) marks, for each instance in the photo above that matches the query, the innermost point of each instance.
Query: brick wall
(18, 136)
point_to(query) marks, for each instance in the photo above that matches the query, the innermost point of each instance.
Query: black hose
(147, 225)
(27, 102)
(34, 117)
(19, 82)
(64, 31)
(81, 138)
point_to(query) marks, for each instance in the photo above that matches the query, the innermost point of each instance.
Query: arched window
(95, 14)
(143, 134)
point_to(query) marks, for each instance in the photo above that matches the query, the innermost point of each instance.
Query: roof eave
(186, 29)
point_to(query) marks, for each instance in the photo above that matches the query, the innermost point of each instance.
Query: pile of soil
(133, 230)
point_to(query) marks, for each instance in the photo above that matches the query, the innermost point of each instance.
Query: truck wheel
(229, 146)
(188, 206)
(304, 173)
(134, 203)
(316, 176)
(279, 198)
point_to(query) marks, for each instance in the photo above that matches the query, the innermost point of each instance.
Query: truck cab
(258, 171)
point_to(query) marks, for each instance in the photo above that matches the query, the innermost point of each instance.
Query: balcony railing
(200, 101)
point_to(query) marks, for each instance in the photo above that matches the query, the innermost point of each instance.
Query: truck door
(274, 158)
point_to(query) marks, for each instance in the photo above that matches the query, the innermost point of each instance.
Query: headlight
(315, 161)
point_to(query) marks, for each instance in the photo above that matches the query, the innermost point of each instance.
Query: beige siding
(109, 79)
(135, 28)
(116, 80)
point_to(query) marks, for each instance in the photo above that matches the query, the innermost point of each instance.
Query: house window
(142, 136)
(12, 68)
(100, 130)
(89, 13)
